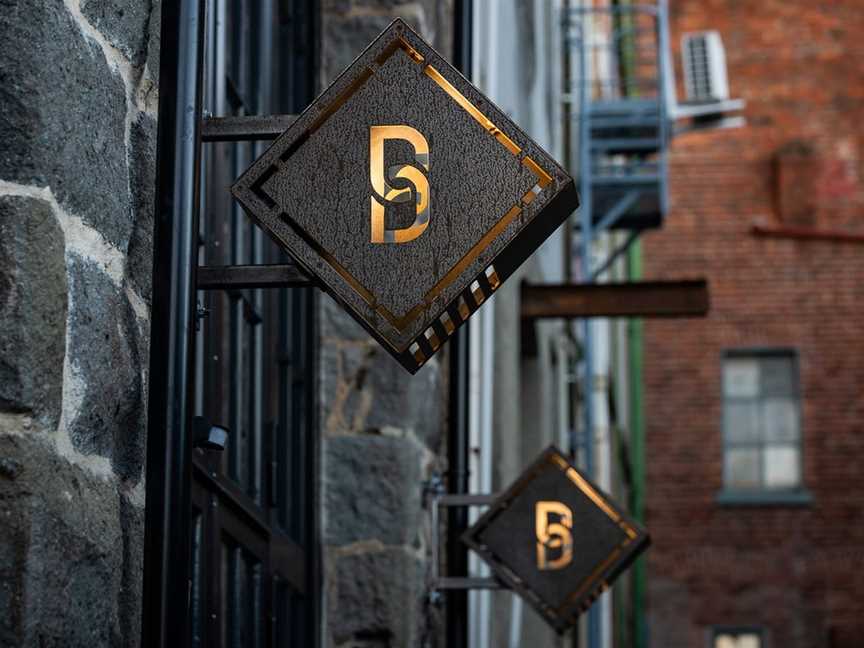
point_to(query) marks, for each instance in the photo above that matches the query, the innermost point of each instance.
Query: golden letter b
(387, 194)
(553, 536)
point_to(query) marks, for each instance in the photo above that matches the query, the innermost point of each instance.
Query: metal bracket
(440, 582)
(248, 128)
(245, 128)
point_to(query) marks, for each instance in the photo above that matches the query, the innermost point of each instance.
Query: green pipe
(637, 446)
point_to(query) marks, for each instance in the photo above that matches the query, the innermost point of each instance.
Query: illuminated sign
(556, 539)
(407, 194)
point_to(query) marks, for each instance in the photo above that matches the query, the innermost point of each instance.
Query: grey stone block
(33, 306)
(366, 390)
(142, 168)
(123, 23)
(104, 356)
(154, 37)
(344, 39)
(414, 403)
(372, 489)
(376, 598)
(129, 601)
(61, 553)
(62, 115)
(335, 322)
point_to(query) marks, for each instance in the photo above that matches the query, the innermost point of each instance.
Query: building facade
(313, 526)
(329, 441)
(753, 414)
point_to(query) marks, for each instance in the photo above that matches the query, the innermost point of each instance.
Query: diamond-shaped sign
(556, 539)
(407, 194)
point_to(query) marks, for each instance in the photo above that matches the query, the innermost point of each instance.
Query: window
(761, 422)
(737, 638)
(254, 550)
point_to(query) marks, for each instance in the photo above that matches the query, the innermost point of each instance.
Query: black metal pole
(175, 243)
(457, 441)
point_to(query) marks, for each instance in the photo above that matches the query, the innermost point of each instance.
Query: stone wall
(382, 429)
(77, 126)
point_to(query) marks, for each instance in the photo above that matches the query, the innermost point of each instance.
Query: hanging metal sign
(407, 194)
(556, 539)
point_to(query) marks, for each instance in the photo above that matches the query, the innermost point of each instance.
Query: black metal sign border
(489, 263)
(635, 542)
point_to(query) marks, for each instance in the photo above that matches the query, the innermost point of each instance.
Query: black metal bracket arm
(247, 128)
(287, 275)
(440, 582)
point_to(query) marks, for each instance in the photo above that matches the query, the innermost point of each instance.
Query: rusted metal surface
(493, 195)
(688, 298)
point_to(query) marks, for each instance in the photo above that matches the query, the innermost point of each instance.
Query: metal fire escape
(619, 89)
(620, 52)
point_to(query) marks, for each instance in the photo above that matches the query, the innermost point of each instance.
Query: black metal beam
(252, 276)
(175, 244)
(688, 298)
(246, 128)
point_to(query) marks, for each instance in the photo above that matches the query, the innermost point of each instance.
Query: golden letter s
(377, 136)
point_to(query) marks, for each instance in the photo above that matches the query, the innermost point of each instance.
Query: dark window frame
(255, 554)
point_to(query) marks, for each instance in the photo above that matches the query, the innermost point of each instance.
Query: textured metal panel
(602, 541)
(494, 195)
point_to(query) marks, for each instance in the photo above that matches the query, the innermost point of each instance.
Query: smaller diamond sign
(556, 539)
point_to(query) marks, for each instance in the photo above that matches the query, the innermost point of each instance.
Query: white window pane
(782, 467)
(780, 419)
(724, 641)
(741, 377)
(742, 421)
(742, 468)
(747, 640)
(778, 376)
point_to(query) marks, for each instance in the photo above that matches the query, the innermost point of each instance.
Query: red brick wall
(798, 571)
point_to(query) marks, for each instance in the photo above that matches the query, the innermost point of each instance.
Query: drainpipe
(637, 448)
(585, 239)
(175, 246)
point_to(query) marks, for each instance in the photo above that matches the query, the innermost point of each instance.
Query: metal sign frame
(277, 192)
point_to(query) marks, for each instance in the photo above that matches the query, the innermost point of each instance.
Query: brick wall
(797, 571)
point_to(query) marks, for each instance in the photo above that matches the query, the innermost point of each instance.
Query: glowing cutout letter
(381, 186)
(553, 536)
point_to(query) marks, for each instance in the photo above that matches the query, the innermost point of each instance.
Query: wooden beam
(634, 299)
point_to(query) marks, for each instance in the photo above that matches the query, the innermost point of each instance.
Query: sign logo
(553, 537)
(406, 172)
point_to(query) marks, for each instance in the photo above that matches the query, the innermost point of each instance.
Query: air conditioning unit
(704, 63)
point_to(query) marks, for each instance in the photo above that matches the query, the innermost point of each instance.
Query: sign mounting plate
(556, 539)
(407, 194)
